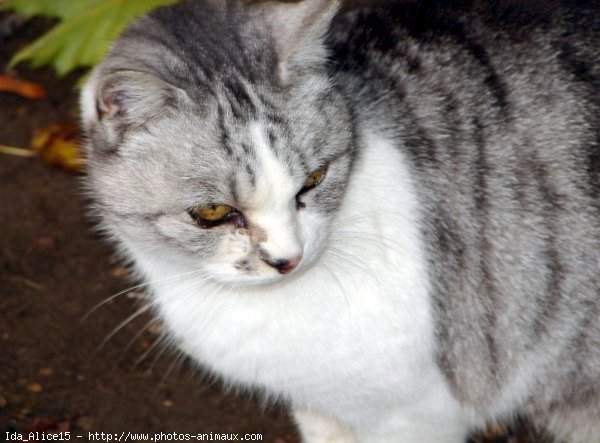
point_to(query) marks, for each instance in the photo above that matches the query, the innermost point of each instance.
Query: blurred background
(60, 369)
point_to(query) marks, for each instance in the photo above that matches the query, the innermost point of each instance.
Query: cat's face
(238, 177)
(248, 201)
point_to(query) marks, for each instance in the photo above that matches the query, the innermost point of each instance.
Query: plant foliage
(84, 33)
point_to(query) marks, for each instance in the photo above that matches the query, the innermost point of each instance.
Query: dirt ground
(53, 270)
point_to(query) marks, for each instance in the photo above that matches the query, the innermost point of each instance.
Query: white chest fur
(353, 335)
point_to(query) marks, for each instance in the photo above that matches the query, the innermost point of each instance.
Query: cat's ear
(116, 103)
(298, 30)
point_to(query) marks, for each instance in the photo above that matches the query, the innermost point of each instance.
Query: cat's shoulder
(381, 21)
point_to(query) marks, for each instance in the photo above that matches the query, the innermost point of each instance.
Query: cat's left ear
(298, 30)
(114, 103)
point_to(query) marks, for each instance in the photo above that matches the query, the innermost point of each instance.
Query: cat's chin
(237, 280)
(240, 281)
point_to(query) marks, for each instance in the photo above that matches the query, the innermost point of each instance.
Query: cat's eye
(314, 179)
(210, 214)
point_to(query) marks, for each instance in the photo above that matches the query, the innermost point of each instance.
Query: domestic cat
(387, 217)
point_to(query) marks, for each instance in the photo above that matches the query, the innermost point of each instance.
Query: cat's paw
(317, 428)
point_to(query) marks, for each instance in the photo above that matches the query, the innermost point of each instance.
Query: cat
(386, 216)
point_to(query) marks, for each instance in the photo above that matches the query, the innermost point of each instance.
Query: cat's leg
(317, 428)
(400, 426)
(417, 434)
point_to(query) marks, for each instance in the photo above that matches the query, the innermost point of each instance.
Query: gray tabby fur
(495, 109)
(498, 111)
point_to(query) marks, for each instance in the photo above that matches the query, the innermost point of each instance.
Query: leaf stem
(17, 151)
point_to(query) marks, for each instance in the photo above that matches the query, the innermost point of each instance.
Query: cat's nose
(284, 265)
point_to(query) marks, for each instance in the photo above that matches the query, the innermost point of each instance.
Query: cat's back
(496, 108)
(493, 41)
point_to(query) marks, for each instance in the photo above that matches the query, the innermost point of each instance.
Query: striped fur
(498, 113)
(491, 113)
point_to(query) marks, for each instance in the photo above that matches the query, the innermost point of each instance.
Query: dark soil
(54, 270)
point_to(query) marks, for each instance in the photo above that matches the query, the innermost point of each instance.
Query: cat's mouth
(247, 280)
(245, 273)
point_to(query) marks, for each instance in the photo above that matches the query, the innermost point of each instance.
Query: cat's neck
(371, 277)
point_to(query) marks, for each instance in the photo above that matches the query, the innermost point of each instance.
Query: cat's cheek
(314, 228)
(236, 261)
(235, 246)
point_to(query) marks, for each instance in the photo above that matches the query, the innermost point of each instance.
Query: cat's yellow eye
(211, 213)
(314, 179)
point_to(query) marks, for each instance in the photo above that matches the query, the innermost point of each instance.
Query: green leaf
(46, 8)
(85, 32)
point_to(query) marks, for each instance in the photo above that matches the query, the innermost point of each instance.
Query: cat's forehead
(253, 163)
(274, 177)
(238, 127)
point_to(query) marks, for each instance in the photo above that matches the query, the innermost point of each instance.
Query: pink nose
(283, 265)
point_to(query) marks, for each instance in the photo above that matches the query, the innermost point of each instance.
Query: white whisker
(147, 326)
(161, 338)
(125, 322)
(132, 288)
(176, 360)
(343, 291)
(341, 254)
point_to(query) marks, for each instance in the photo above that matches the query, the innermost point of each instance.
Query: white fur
(87, 100)
(350, 337)
(317, 428)
(272, 205)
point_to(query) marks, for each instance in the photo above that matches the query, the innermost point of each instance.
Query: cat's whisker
(165, 343)
(383, 243)
(364, 216)
(111, 298)
(164, 338)
(161, 338)
(133, 288)
(192, 284)
(382, 240)
(205, 281)
(348, 220)
(342, 290)
(125, 322)
(147, 326)
(341, 254)
(177, 360)
(358, 217)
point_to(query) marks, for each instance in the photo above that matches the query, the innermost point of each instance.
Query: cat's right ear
(116, 103)
(298, 30)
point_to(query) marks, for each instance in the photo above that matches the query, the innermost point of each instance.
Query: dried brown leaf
(58, 145)
(23, 88)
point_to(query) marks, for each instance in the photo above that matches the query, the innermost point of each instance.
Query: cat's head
(216, 140)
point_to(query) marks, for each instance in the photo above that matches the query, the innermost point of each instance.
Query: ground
(53, 270)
